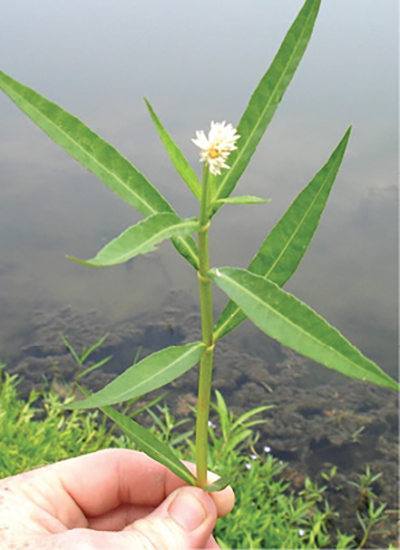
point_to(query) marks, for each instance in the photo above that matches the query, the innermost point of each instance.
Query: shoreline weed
(269, 513)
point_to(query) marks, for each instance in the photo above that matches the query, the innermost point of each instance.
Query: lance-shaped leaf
(141, 239)
(294, 324)
(267, 96)
(95, 154)
(151, 373)
(283, 249)
(154, 448)
(178, 160)
(149, 444)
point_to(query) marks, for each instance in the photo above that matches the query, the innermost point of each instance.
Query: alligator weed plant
(256, 292)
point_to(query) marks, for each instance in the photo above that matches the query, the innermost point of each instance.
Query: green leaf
(96, 155)
(218, 485)
(149, 374)
(87, 352)
(149, 444)
(187, 248)
(224, 416)
(244, 419)
(141, 239)
(146, 441)
(283, 249)
(242, 199)
(93, 367)
(179, 162)
(267, 96)
(236, 439)
(294, 324)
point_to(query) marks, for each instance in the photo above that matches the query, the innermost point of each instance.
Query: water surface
(197, 62)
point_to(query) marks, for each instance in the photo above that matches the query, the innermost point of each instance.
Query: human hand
(109, 500)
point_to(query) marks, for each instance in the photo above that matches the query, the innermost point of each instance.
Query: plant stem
(207, 360)
(366, 535)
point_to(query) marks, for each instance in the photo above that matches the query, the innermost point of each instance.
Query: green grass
(32, 436)
(268, 512)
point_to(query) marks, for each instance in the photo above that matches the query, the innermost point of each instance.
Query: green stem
(366, 536)
(207, 360)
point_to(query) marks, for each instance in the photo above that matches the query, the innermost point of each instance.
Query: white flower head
(216, 148)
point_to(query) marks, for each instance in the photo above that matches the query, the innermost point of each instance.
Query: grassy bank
(269, 513)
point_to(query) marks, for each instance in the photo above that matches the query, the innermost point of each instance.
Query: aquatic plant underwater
(256, 292)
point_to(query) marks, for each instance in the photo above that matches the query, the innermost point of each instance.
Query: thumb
(184, 520)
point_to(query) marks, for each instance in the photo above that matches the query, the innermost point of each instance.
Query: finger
(119, 518)
(211, 544)
(224, 500)
(102, 481)
(184, 520)
(125, 514)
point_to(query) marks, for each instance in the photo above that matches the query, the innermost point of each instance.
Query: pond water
(198, 62)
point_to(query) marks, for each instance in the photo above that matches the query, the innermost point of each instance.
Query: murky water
(197, 62)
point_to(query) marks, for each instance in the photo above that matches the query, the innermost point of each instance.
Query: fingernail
(186, 510)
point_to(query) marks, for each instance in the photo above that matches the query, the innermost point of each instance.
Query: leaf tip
(218, 485)
(76, 260)
(73, 259)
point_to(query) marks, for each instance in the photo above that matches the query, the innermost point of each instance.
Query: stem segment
(206, 309)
